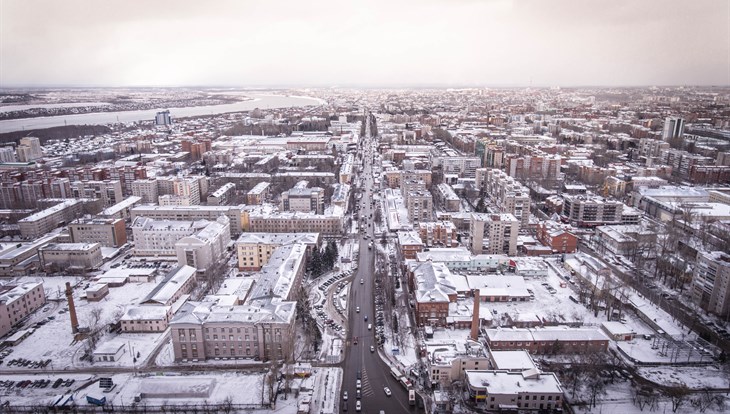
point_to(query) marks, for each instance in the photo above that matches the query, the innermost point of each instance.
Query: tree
(481, 205)
(678, 396)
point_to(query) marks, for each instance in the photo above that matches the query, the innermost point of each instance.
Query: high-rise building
(494, 233)
(7, 154)
(673, 128)
(30, 147)
(163, 118)
(711, 282)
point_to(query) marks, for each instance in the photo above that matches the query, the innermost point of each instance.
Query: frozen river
(101, 118)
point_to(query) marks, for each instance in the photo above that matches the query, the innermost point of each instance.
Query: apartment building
(494, 233)
(711, 282)
(29, 149)
(44, 221)
(259, 193)
(71, 256)
(255, 249)
(222, 196)
(19, 301)
(205, 247)
(506, 193)
(462, 166)
(587, 211)
(438, 233)
(7, 154)
(107, 232)
(420, 205)
(108, 191)
(447, 198)
(146, 189)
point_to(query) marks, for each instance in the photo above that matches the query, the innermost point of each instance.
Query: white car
(370, 326)
(358, 384)
(362, 281)
(344, 396)
(372, 348)
(358, 406)
(387, 391)
(357, 309)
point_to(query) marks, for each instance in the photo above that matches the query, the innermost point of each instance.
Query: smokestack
(72, 309)
(475, 316)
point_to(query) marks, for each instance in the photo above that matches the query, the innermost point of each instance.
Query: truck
(95, 400)
(405, 382)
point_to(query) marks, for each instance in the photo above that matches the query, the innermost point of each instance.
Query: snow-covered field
(54, 340)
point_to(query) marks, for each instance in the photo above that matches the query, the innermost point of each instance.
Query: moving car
(358, 384)
(370, 326)
(358, 406)
(344, 396)
(387, 391)
(362, 281)
(372, 348)
(357, 309)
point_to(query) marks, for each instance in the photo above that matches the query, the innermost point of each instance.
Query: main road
(374, 372)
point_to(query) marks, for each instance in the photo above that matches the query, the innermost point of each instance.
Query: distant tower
(72, 309)
(163, 118)
(673, 128)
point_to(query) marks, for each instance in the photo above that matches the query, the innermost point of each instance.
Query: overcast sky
(364, 43)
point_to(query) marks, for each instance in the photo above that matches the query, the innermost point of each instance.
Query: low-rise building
(179, 281)
(559, 340)
(19, 301)
(146, 318)
(259, 193)
(70, 256)
(410, 244)
(529, 390)
(557, 237)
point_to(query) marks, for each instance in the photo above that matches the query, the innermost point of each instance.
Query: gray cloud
(327, 42)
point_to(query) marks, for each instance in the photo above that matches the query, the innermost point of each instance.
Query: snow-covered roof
(434, 282)
(510, 286)
(546, 334)
(512, 360)
(510, 383)
(280, 239)
(164, 292)
(146, 313)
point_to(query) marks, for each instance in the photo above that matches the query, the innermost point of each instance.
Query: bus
(395, 373)
(411, 397)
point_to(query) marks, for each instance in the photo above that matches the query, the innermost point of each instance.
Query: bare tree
(678, 395)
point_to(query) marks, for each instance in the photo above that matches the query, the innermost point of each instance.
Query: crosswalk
(367, 389)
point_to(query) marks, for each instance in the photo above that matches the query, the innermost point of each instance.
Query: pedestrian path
(367, 389)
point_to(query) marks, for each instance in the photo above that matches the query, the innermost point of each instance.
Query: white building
(205, 247)
(158, 237)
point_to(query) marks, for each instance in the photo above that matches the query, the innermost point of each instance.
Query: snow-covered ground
(54, 340)
(710, 376)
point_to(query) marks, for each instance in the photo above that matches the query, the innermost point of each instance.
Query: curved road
(375, 374)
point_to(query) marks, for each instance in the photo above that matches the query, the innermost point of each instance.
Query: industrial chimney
(72, 309)
(475, 316)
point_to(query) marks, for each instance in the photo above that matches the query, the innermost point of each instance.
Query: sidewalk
(326, 399)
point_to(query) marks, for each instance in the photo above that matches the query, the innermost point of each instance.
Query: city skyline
(379, 44)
